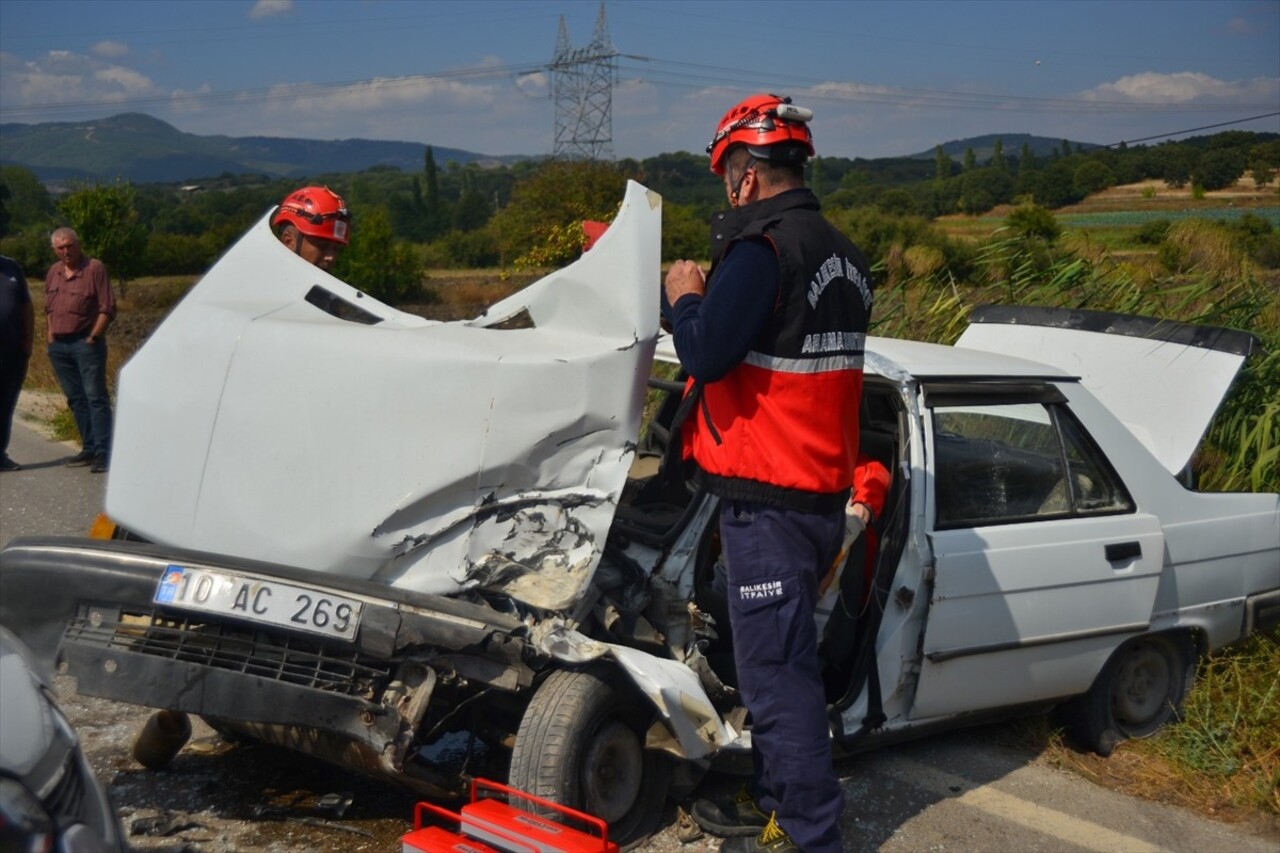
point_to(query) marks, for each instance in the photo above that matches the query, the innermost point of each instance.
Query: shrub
(1034, 221)
(1152, 232)
(1266, 253)
(177, 254)
(457, 249)
(31, 249)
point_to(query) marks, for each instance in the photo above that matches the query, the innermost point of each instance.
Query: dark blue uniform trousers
(776, 557)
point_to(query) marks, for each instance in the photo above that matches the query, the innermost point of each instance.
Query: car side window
(1017, 462)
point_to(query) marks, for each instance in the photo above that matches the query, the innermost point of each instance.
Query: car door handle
(1118, 551)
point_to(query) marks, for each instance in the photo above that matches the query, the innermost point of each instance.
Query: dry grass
(1154, 195)
(1144, 196)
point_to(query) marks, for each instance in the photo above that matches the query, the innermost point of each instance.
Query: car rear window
(1018, 462)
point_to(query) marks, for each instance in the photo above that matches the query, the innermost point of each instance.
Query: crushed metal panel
(1163, 380)
(434, 456)
(673, 687)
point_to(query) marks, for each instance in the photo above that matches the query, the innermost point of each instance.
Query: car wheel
(1141, 689)
(162, 738)
(581, 744)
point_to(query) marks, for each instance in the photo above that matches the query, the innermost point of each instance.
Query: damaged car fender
(675, 690)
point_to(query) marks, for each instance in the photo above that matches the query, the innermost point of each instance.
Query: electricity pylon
(582, 86)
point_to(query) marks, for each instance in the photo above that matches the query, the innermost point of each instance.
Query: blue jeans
(775, 559)
(82, 372)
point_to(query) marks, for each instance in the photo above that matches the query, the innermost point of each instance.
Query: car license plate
(268, 602)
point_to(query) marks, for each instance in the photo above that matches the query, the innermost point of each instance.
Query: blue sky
(883, 78)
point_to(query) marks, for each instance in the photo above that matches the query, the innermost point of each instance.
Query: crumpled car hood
(279, 414)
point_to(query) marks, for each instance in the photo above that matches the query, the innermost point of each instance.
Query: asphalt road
(966, 790)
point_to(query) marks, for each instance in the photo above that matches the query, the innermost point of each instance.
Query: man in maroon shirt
(80, 305)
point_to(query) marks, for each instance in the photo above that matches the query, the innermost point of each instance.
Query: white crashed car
(354, 530)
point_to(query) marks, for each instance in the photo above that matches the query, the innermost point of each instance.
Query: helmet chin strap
(737, 185)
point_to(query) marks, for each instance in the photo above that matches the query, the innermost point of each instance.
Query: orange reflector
(103, 527)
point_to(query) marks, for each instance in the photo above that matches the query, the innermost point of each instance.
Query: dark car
(50, 799)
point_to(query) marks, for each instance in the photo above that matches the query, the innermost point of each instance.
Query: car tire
(161, 739)
(1141, 689)
(581, 744)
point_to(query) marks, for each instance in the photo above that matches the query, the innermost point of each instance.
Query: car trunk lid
(1164, 380)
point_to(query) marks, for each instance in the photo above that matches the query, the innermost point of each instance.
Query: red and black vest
(781, 428)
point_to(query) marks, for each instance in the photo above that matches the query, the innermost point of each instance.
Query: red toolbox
(500, 818)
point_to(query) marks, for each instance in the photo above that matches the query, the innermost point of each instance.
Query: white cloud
(1185, 86)
(110, 49)
(61, 76)
(123, 82)
(269, 8)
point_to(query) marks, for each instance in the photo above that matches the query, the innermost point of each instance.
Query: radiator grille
(263, 653)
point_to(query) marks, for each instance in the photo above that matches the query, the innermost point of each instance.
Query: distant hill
(144, 149)
(983, 146)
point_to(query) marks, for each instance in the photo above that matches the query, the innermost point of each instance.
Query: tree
(106, 221)
(1054, 185)
(1261, 173)
(1093, 176)
(684, 234)
(982, 189)
(997, 155)
(942, 164)
(1026, 160)
(1218, 169)
(433, 208)
(897, 201)
(970, 160)
(29, 203)
(1176, 165)
(376, 262)
(472, 209)
(547, 210)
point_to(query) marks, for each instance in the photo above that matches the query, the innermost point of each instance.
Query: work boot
(772, 839)
(730, 816)
(81, 459)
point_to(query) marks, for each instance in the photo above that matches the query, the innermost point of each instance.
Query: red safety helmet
(762, 122)
(317, 212)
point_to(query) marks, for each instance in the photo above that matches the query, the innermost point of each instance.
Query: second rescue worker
(773, 342)
(315, 224)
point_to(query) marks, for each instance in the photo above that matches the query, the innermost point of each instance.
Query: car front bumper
(86, 606)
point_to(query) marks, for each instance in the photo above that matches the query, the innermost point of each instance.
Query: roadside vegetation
(1188, 232)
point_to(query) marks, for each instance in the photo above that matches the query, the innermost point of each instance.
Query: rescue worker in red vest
(315, 224)
(772, 339)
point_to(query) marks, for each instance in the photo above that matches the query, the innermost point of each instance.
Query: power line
(602, 63)
(1192, 129)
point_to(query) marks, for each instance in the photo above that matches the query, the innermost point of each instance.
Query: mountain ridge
(143, 149)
